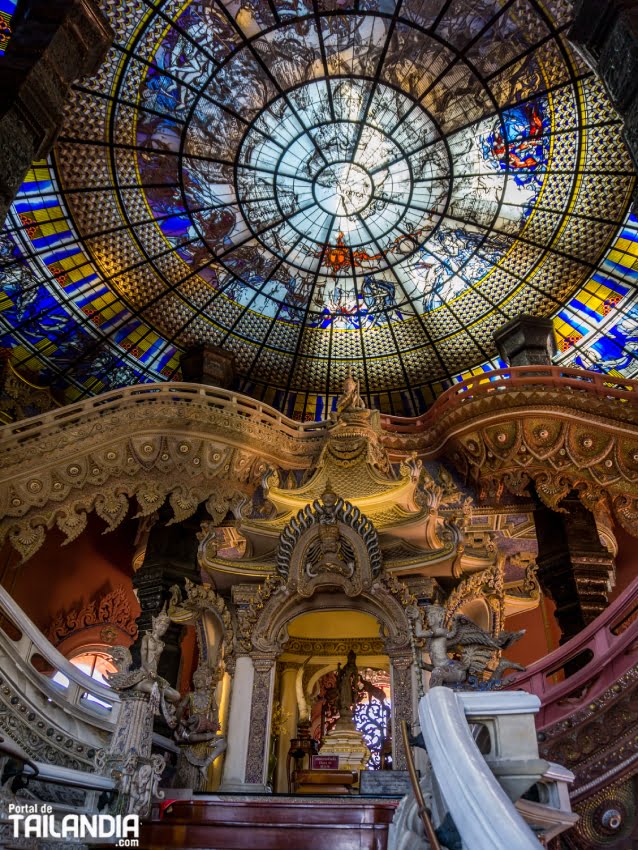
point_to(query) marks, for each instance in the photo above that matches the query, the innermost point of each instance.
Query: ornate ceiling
(318, 186)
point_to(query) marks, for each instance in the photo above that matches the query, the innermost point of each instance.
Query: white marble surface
(238, 725)
(493, 703)
(484, 815)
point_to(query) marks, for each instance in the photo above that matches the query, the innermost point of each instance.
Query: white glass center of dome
(343, 189)
(342, 164)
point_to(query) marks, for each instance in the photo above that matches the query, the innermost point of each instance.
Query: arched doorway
(305, 687)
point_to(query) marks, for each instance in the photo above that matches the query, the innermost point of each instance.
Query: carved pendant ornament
(329, 542)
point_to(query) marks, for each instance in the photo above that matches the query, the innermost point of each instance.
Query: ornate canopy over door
(328, 559)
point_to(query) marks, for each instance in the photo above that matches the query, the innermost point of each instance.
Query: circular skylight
(321, 187)
(358, 171)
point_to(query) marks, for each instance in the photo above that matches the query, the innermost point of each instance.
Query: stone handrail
(611, 642)
(82, 694)
(512, 380)
(483, 813)
(234, 403)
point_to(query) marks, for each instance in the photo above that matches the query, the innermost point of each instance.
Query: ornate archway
(328, 560)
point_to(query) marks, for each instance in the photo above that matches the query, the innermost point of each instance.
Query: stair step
(271, 824)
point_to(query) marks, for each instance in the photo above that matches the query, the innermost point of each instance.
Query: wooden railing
(500, 381)
(130, 397)
(608, 647)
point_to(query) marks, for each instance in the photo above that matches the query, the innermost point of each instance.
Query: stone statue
(129, 759)
(197, 725)
(347, 681)
(145, 678)
(350, 398)
(477, 648)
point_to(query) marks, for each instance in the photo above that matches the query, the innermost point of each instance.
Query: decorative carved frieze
(556, 455)
(103, 454)
(334, 647)
(598, 742)
(111, 610)
(71, 471)
(33, 729)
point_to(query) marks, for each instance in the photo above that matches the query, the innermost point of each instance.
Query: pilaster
(260, 714)
(402, 688)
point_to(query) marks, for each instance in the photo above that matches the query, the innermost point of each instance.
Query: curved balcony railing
(233, 403)
(500, 381)
(27, 648)
(607, 649)
(513, 380)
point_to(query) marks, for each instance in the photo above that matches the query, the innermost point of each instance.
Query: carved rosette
(558, 454)
(256, 762)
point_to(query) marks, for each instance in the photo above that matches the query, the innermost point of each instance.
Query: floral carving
(112, 609)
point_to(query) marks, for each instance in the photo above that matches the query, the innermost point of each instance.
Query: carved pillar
(526, 341)
(54, 43)
(210, 365)
(170, 558)
(238, 734)
(402, 689)
(288, 702)
(260, 714)
(574, 568)
(129, 759)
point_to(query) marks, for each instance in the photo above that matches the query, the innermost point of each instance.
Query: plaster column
(402, 690)
(239, 717)
(260, 715)
(288, 702)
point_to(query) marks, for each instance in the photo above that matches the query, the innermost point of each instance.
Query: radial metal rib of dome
(325, 186)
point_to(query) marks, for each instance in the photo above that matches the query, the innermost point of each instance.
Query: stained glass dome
(325, 186)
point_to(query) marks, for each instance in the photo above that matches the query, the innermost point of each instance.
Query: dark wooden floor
(290, 823)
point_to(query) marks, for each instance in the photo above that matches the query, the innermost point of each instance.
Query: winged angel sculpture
(475, 648)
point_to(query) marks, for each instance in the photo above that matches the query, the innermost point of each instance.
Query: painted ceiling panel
(322, 187)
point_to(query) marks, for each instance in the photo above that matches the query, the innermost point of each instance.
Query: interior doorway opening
(310, 706)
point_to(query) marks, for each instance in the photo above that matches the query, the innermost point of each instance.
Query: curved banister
(33, 642)
(611, 639)
(510, 380)
(481, 810)
(499, 381)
